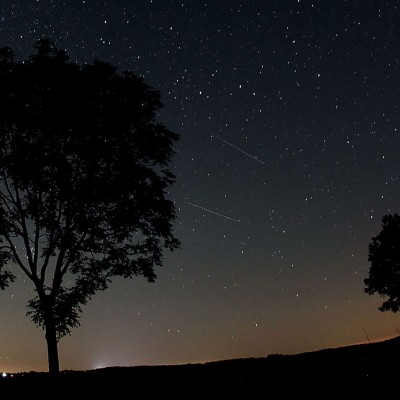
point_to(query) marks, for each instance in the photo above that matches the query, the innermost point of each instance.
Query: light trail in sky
(212, 212)
(237, 148)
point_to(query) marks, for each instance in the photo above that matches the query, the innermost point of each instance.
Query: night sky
(288, 113)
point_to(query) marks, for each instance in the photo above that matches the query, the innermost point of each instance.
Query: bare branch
(50, 248)
(58, 274)
(25, 234)
(7, 200)
(17, 258)
(13, 201)
(37, 233)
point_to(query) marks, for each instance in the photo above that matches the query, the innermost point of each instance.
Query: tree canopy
(84, 178)
(384, 256)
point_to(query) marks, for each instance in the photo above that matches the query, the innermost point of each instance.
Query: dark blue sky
(288, 113)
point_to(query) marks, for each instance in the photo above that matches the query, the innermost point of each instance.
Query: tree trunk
(52, 349)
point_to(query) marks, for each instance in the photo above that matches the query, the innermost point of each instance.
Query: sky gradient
(288, 116)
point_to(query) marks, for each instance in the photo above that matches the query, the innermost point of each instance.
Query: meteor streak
(212, 212)
(237, 148)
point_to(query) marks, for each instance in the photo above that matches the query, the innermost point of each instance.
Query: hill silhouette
(363, 370)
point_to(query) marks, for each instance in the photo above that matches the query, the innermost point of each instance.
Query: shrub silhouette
(384, 272)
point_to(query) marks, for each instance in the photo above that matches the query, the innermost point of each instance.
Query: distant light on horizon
(101, 365)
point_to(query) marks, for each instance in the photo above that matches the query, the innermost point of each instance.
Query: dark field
(360, 371)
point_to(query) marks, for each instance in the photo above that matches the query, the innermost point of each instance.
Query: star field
(288, 113)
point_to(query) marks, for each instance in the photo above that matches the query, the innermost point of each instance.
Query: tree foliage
(384, 256)
(83, 180)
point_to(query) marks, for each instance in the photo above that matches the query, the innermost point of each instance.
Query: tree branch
(58, 275)
(9, 190)
(50, 248)
(37, 232)
(6, 201)
(25, 234)
(17, 258)
(72, 252)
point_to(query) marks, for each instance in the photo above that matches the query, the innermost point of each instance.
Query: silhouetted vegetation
(384, 272)
(83, 182)
(359, 371)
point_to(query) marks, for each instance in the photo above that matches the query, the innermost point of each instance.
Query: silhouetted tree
(83, 182)
(384, 272)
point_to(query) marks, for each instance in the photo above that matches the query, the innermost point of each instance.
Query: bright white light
(3, 374)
